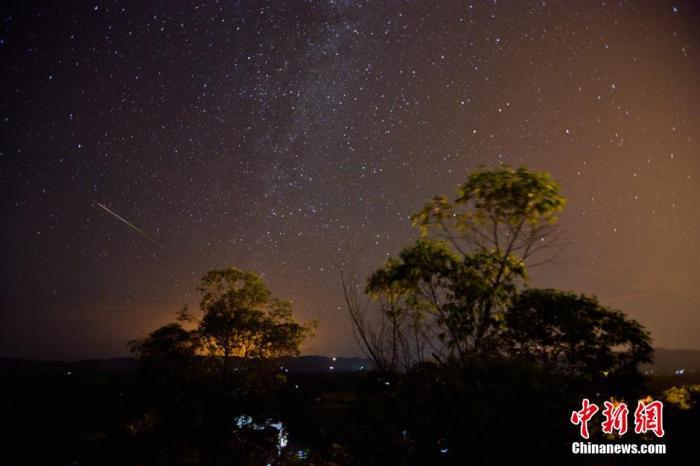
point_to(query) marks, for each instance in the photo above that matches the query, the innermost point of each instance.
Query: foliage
(170, 342)
(504, 210)
(389, 332)
(242, 334)
(574, 335)
(459, 290)
(242, 319)
(454, 284)
(449, 292)
(684, 397)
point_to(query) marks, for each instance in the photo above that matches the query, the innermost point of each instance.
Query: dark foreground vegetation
(107, 416)
(470, 365)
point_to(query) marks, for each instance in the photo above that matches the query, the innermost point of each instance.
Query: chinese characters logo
(648, 417)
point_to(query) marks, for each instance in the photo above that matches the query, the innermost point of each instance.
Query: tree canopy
(241, 317)
(574, 334)
(240, 321)
(459, 291)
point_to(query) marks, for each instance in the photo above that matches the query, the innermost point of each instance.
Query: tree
(242, 320)
(167, 376)
(168, 343)
(459, 286)
(443, 292)
(501, 218)
(167, 355)
(505, 211)
(574, 335)
(459, 277)
(389, 332)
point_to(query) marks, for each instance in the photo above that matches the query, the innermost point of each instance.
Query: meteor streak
(131, 225)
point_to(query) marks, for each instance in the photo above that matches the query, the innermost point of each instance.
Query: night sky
(283, 137)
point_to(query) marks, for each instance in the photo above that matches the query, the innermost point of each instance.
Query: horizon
(328, 356)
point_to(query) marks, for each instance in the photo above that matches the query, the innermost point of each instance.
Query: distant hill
(301, 364)
(326, 364)
(666, 361)
(112, 365)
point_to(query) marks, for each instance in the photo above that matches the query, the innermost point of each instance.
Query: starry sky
(287, 136)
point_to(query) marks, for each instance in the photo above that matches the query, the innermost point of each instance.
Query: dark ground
(58, 413)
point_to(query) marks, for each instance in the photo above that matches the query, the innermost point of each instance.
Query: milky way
(285, 137)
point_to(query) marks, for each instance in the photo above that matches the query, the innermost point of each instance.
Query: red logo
(648, 417)
(582, 417)
(615, 418)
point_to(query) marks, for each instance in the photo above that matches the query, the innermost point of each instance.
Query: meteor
(131, 225)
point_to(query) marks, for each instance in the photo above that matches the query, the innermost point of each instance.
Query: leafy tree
(446, 289)
(242, 321)
(167, 378)
(460, 276)
(574, 335)
(500, 219)
(390, 332)
(505, 211)
(459, 285)
(243, 327)
(167, 356)
(168, 343)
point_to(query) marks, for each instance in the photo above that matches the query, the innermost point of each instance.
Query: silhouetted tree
(242, 321)
(450, 292)
(454, 283)
(574, 335)
(500, 351)
(390, 333)
(505, 211)
(243, 329)
(168, 343)
(166, 356)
